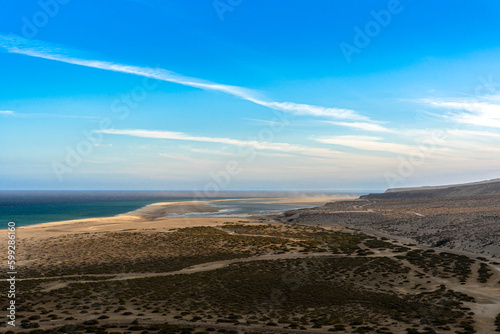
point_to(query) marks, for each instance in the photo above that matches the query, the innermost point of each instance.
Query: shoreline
(158, 216)
(154, 218)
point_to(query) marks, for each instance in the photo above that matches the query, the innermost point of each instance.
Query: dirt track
(209, 266)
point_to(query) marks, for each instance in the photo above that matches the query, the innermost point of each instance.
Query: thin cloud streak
(41, 115)
(213, 152)
(477, 112)
(362, 126)
(258, 145)
(311, 110)
(232, 154)
(14, 44)
(368, 143)
(469, 133)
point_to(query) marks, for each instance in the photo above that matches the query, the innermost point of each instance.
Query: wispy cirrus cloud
(374, 127)
(369, 143)
(42, 115)
(233, 154)
(18, 45)
(311, 110)
(212, 152)
(473, 112)
(472, 134)
(258, 145)
(268, 122)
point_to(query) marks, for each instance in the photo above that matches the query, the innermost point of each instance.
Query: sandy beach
(311, 200)
(154, 217)
(149, 217)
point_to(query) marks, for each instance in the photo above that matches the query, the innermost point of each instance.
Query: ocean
(36, 207)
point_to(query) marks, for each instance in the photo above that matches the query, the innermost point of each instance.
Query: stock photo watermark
(408, 164)
(41, 18)
(223, 6)
(11, 273)
(487, 84)
(220, 180)
(365, 35)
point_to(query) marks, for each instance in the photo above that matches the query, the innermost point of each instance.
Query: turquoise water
(36, 214)
(24, 215)
(36, 207)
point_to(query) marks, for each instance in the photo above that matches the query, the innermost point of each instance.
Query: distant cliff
(483, 188)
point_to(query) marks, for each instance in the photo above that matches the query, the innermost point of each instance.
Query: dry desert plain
(347, 267)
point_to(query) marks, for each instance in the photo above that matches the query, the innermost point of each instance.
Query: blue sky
(248, 95)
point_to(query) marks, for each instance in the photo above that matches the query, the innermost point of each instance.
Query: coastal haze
(482, 188)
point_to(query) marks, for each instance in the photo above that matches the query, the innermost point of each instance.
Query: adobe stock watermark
(11, 272)
(487, 85)
(364, 36)
(408, 164)
(223, 6)
(48, 10)
(121, 106)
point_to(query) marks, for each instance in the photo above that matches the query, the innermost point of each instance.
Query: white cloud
(368, 143)
(311, 110)
(473, 112)
(41, 115)
(474, 134)
(180, 157)
(470, 144)
(278, 155)
(233, 154)
(362, 126)
(214, 152)
(38, 49)
(272, 123)
(257, 145)
(469, 149)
